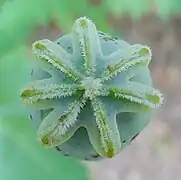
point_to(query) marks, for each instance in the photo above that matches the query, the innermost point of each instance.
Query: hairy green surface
(92, 92)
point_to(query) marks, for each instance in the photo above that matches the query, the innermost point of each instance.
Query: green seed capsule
(91, 94)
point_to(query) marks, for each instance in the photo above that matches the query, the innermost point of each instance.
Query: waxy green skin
(91, 97)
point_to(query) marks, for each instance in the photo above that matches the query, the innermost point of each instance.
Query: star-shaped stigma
(88, 78)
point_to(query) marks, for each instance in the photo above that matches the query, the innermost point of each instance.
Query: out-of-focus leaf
(134, 8)
(22, 157)
(166, 8)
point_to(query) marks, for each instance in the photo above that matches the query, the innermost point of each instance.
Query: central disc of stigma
(92, 87)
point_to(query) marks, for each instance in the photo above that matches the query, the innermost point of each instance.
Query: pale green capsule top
(88, 79)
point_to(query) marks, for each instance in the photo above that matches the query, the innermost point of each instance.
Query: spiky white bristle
(105, 131)
(43, 53)
(32, 94)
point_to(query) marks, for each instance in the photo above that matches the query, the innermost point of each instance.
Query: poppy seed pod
(91, 93)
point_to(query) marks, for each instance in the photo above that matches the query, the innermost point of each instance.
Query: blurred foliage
(19, 17)
(21, 157)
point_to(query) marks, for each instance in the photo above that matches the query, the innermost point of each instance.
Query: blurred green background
(156, 23)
